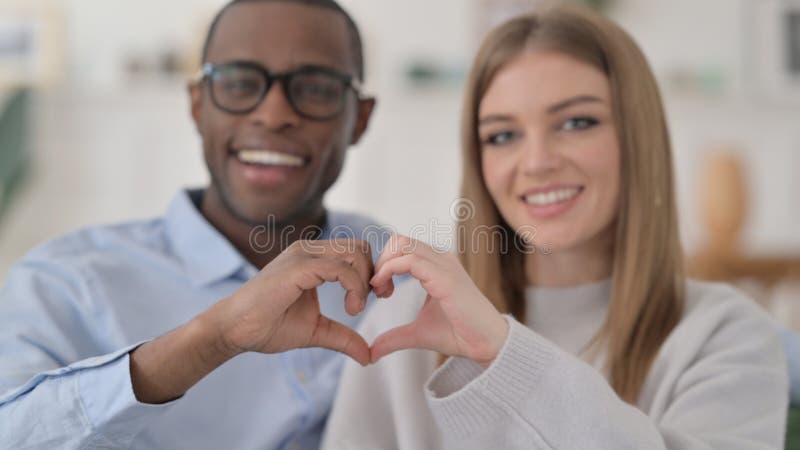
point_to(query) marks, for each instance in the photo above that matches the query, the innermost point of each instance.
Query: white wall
(719, 35)
(101, 34)
(681, 35)
(406, 170)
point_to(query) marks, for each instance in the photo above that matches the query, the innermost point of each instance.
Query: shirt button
(301, 376)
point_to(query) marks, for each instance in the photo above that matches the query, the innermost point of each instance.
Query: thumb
(400, 338)
(333, 335)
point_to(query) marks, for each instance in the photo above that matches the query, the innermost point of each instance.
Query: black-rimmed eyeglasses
(316, 93)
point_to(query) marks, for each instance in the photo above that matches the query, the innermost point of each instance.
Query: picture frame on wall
(772, 63)
(792, 33)
(30, 52)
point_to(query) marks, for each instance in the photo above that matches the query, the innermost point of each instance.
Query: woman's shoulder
(714, 299)
(722, 331)
(719, 317)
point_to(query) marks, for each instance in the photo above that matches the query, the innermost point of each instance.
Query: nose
(539, 156)
(275, 111)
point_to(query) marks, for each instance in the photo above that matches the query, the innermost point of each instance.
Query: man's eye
(501, 138)
(241, 87)
(578, 123)
(316, 88)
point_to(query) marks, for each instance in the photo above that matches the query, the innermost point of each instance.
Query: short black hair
(356, 45)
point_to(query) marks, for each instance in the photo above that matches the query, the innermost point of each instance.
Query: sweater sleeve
(732, 396)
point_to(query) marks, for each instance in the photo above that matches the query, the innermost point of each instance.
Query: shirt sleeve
(54, 391)
(534, 395)
(791, 346)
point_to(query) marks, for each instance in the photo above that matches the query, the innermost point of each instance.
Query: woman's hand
(456, 319)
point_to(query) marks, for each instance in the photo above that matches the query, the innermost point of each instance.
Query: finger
(400, 245)
(389, 249)
(355, 251)
(319, 270)
(420, 268)
(397, 247)
(358, 253)
(333, 335)
(400, 338)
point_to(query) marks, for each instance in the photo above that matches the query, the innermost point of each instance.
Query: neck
(588, 263)
(258, 244)
(724, 245)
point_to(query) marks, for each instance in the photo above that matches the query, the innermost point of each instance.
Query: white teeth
(548, 198)
(268, 158)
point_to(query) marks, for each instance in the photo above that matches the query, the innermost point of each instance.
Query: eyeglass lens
(312, 93)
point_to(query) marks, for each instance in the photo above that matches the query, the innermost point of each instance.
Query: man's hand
(276, 311)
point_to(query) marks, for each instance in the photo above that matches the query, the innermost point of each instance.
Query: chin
(267, 214)
(551, 237)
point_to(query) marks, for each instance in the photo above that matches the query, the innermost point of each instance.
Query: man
(81, 363)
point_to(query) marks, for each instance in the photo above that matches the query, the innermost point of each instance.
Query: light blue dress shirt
(791, 346)
(73, 308)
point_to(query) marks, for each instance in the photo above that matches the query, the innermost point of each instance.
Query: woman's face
(549, 149)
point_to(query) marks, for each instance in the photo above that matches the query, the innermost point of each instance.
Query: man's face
(279, 36)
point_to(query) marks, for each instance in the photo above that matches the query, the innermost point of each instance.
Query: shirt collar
(206, 254)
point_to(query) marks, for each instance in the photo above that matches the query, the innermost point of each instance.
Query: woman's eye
(499, 138)
(578, 123)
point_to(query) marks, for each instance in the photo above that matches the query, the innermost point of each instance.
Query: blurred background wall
(108, 136)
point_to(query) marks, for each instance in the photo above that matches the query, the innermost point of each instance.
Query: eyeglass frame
(350, 82)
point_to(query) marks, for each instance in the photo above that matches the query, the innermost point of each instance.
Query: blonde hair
(647, 282)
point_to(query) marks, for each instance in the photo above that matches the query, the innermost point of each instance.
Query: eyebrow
(313, 66)
(573, 101)
(494, 118)
(325, 68)
(550, 110)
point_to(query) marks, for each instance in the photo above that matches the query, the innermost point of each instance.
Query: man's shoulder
(351, 225)
(341, 220)
(115, 238)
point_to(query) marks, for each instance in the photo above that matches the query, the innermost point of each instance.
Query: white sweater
(718, 382)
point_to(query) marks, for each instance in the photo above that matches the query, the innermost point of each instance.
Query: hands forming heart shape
(278, 309)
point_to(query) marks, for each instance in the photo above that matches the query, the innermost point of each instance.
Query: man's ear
(195, 90)
(365, 108)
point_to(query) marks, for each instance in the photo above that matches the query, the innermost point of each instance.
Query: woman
(567, 165)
